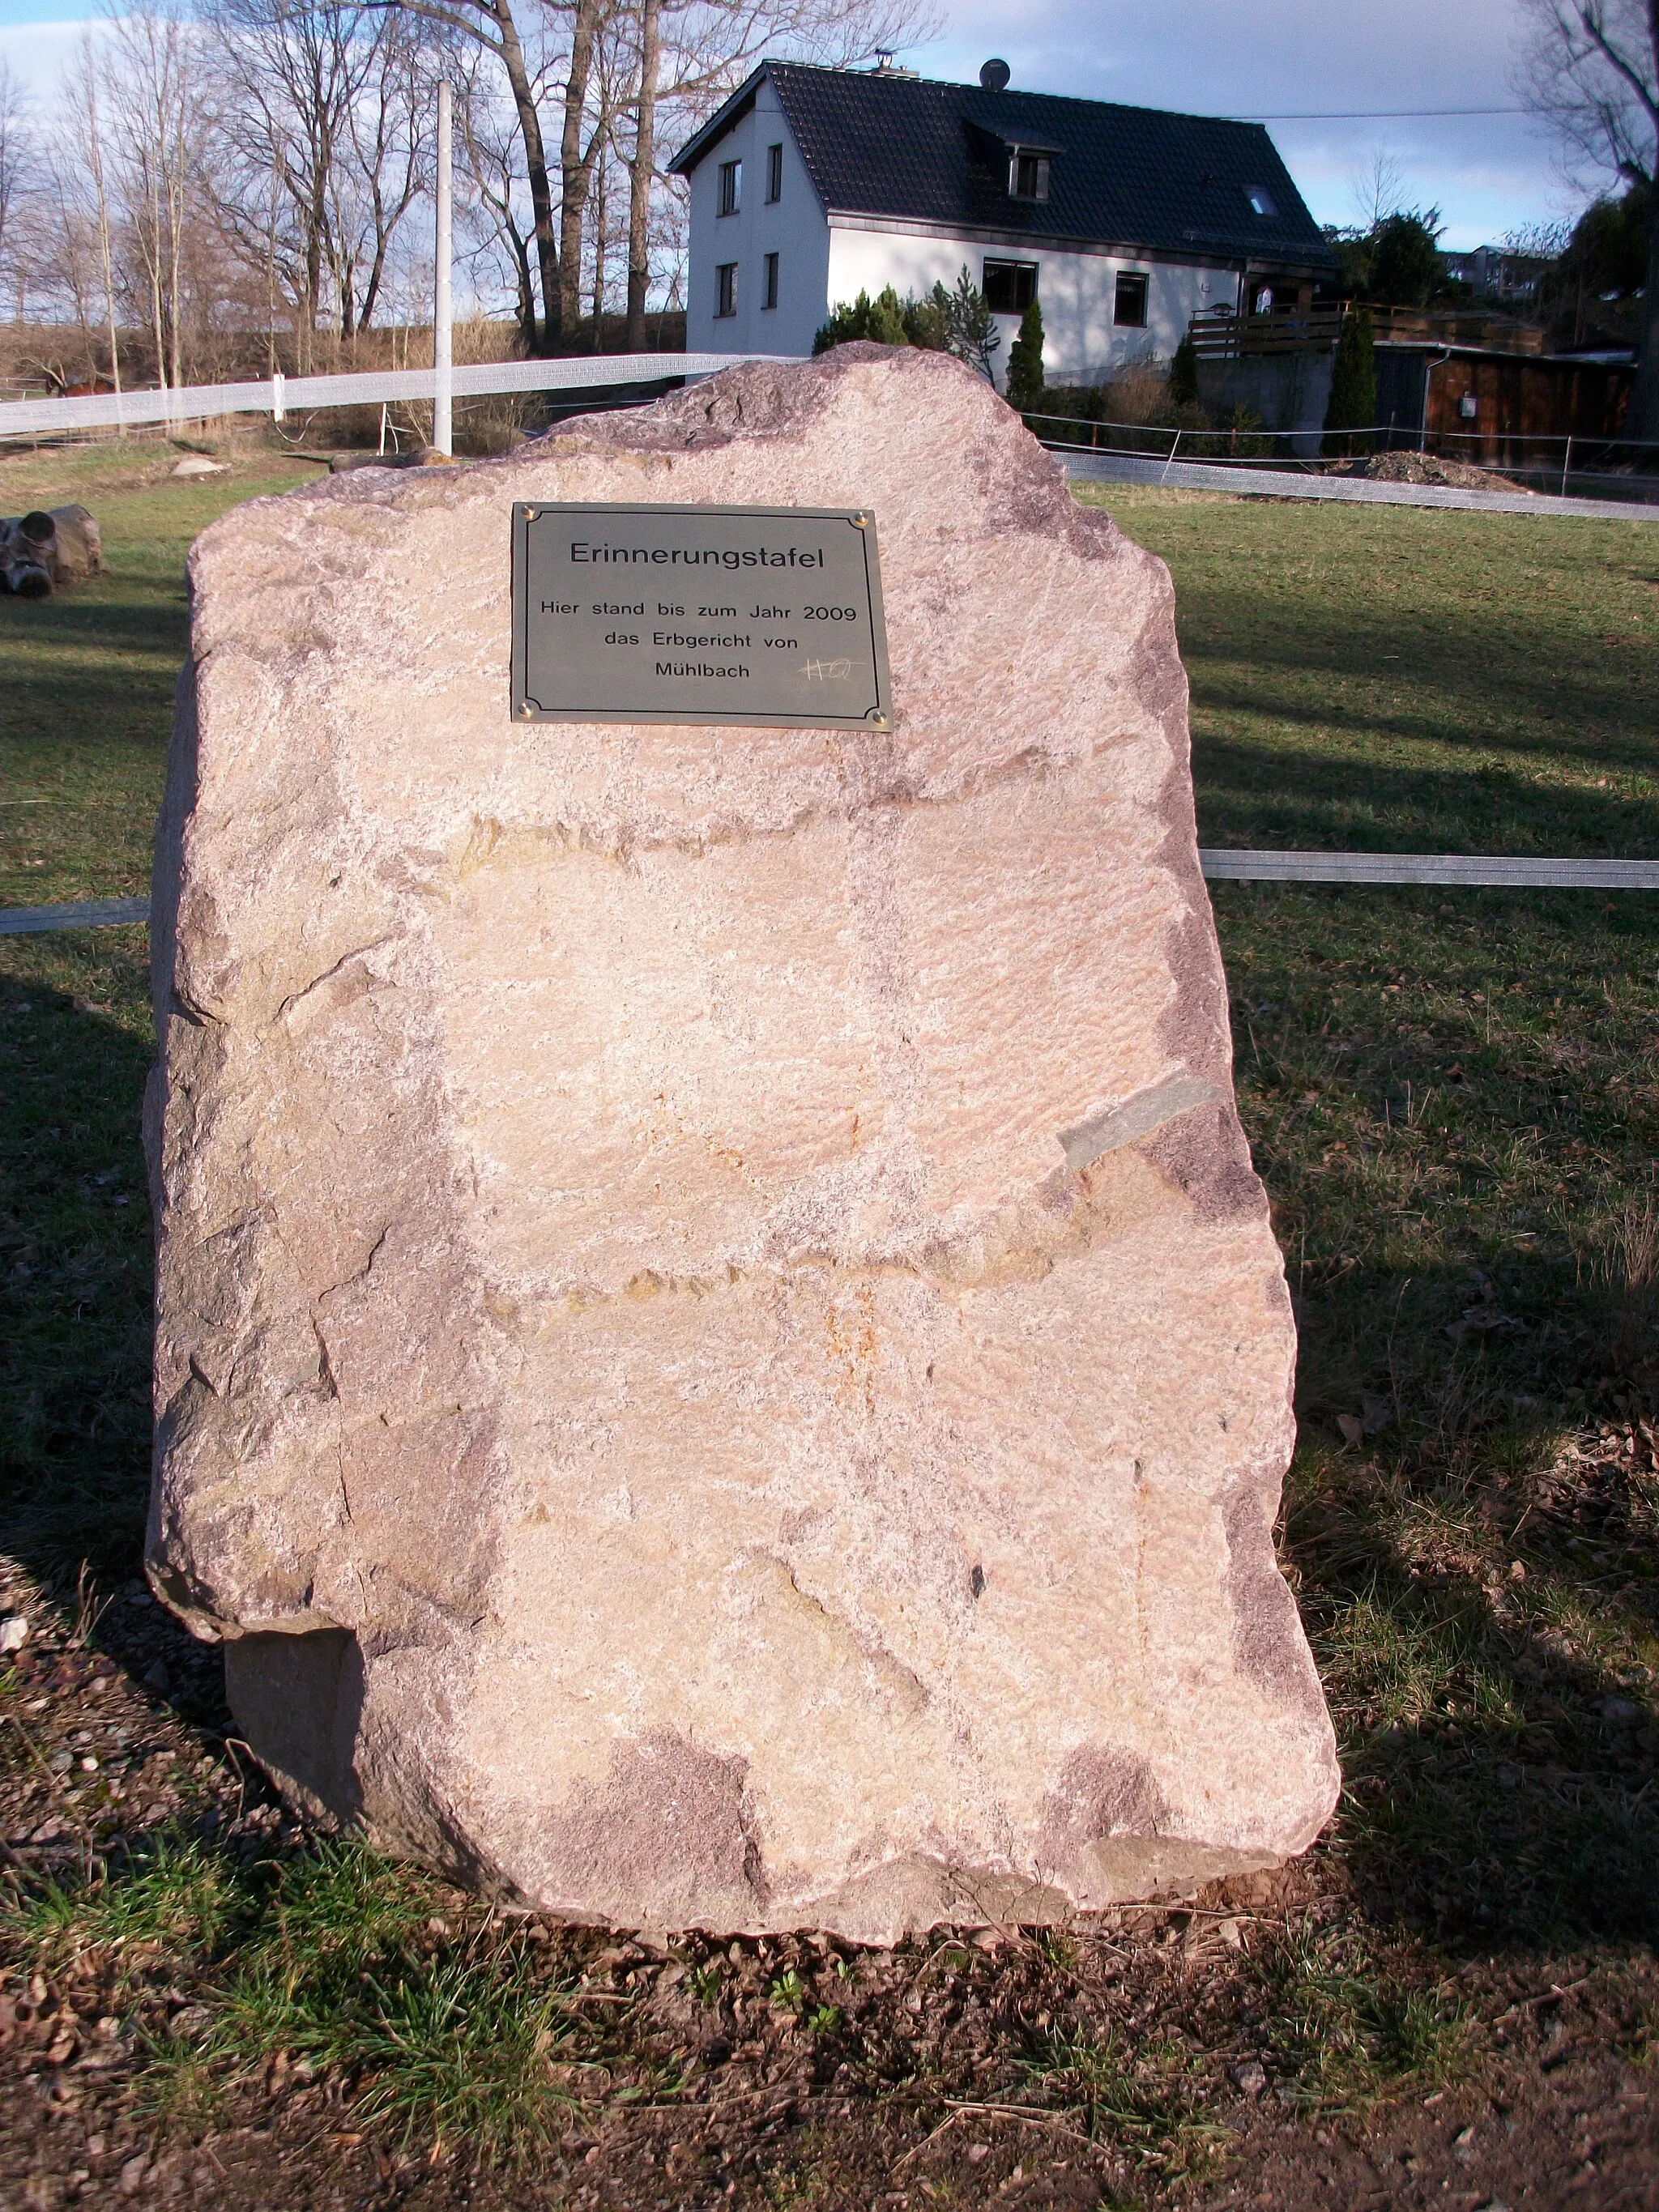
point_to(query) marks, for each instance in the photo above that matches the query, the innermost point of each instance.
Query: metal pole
(1566, 464)
(443, 361)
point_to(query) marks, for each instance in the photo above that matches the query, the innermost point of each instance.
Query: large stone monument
(720, 1360)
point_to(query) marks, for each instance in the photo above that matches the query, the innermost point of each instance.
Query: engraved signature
(829, 671)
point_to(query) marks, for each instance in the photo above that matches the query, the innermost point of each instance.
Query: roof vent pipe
(994, 75)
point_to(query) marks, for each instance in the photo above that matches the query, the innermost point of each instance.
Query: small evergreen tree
(1183, 373)
(881, 320)
(1354, 386)
(1025, 363)
(1406, 269)
(971, 329)
(927, 320)
(957, 322)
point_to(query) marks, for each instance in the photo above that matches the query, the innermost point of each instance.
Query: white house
(811, 185)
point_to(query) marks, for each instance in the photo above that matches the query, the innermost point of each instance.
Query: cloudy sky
(1270, 58)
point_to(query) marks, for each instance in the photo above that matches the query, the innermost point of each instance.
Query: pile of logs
(51, 546)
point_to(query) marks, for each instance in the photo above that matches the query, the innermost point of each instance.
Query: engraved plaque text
(768, 615)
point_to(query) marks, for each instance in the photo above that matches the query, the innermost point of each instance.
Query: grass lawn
(86, 702)
(1453, 1099)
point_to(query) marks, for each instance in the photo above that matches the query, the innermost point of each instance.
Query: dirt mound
(1430, 469)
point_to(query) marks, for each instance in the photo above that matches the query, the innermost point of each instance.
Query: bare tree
(152, 149)
(1378, 191)
(576, 159)
(287, 77)
(1592, 67)
(81, 85)
(17, 166)
(489, 203)
(492, 25)
(384, 164)
(643, 170)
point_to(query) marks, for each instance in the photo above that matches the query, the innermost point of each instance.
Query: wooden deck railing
(1315, 330)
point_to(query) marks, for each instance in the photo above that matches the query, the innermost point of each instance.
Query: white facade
(1077, 292)
(793, 227)
(824, 261)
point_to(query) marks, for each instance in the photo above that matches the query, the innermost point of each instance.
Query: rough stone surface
(720, 1359)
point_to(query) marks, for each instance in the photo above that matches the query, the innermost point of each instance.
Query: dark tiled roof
(924, 152)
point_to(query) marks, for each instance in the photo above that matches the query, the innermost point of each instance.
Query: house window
(1010, 287)
(770, 297)
(731, 186)
(774, 172)
(725, 289)
(1260, 200)
(1028, 176)
(1129, 308)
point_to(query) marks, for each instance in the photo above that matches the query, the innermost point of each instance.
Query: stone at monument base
(720, 1360)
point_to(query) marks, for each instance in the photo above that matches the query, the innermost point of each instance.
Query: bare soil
(920, 2093)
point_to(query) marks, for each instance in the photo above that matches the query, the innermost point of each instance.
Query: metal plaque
(768, 615)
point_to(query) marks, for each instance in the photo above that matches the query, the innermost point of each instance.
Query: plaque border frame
(525, 709)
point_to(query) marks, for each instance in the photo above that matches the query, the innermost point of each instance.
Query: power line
(1382, 114)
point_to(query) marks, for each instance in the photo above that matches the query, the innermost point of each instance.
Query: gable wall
(794, 228)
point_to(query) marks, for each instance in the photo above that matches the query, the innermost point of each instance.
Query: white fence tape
(1249, 482)
(279, 396)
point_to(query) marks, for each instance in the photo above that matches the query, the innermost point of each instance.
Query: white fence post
(443, 366)
(275, 395)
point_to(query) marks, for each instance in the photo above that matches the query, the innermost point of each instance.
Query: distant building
(1493, 272)
(811, 185)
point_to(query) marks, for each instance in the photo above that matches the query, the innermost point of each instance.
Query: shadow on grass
(84, 628)
(1458, 687)
(1267, 795)
(74, 1262)
(1478, 1594)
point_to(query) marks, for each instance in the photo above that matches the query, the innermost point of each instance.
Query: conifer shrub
(1025, 363)
(881, 320)
(1353, 406)
(956, 322)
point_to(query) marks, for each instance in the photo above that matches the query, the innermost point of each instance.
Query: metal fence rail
(1221, 864)
(277, 396)
(1227, 864)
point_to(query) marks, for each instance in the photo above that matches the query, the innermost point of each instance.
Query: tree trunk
(96, 159)
(642, 171)
(1643, 419)
(601, 243)
(175, 288)
(156, 311)
(535, 155)
(573, 171)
